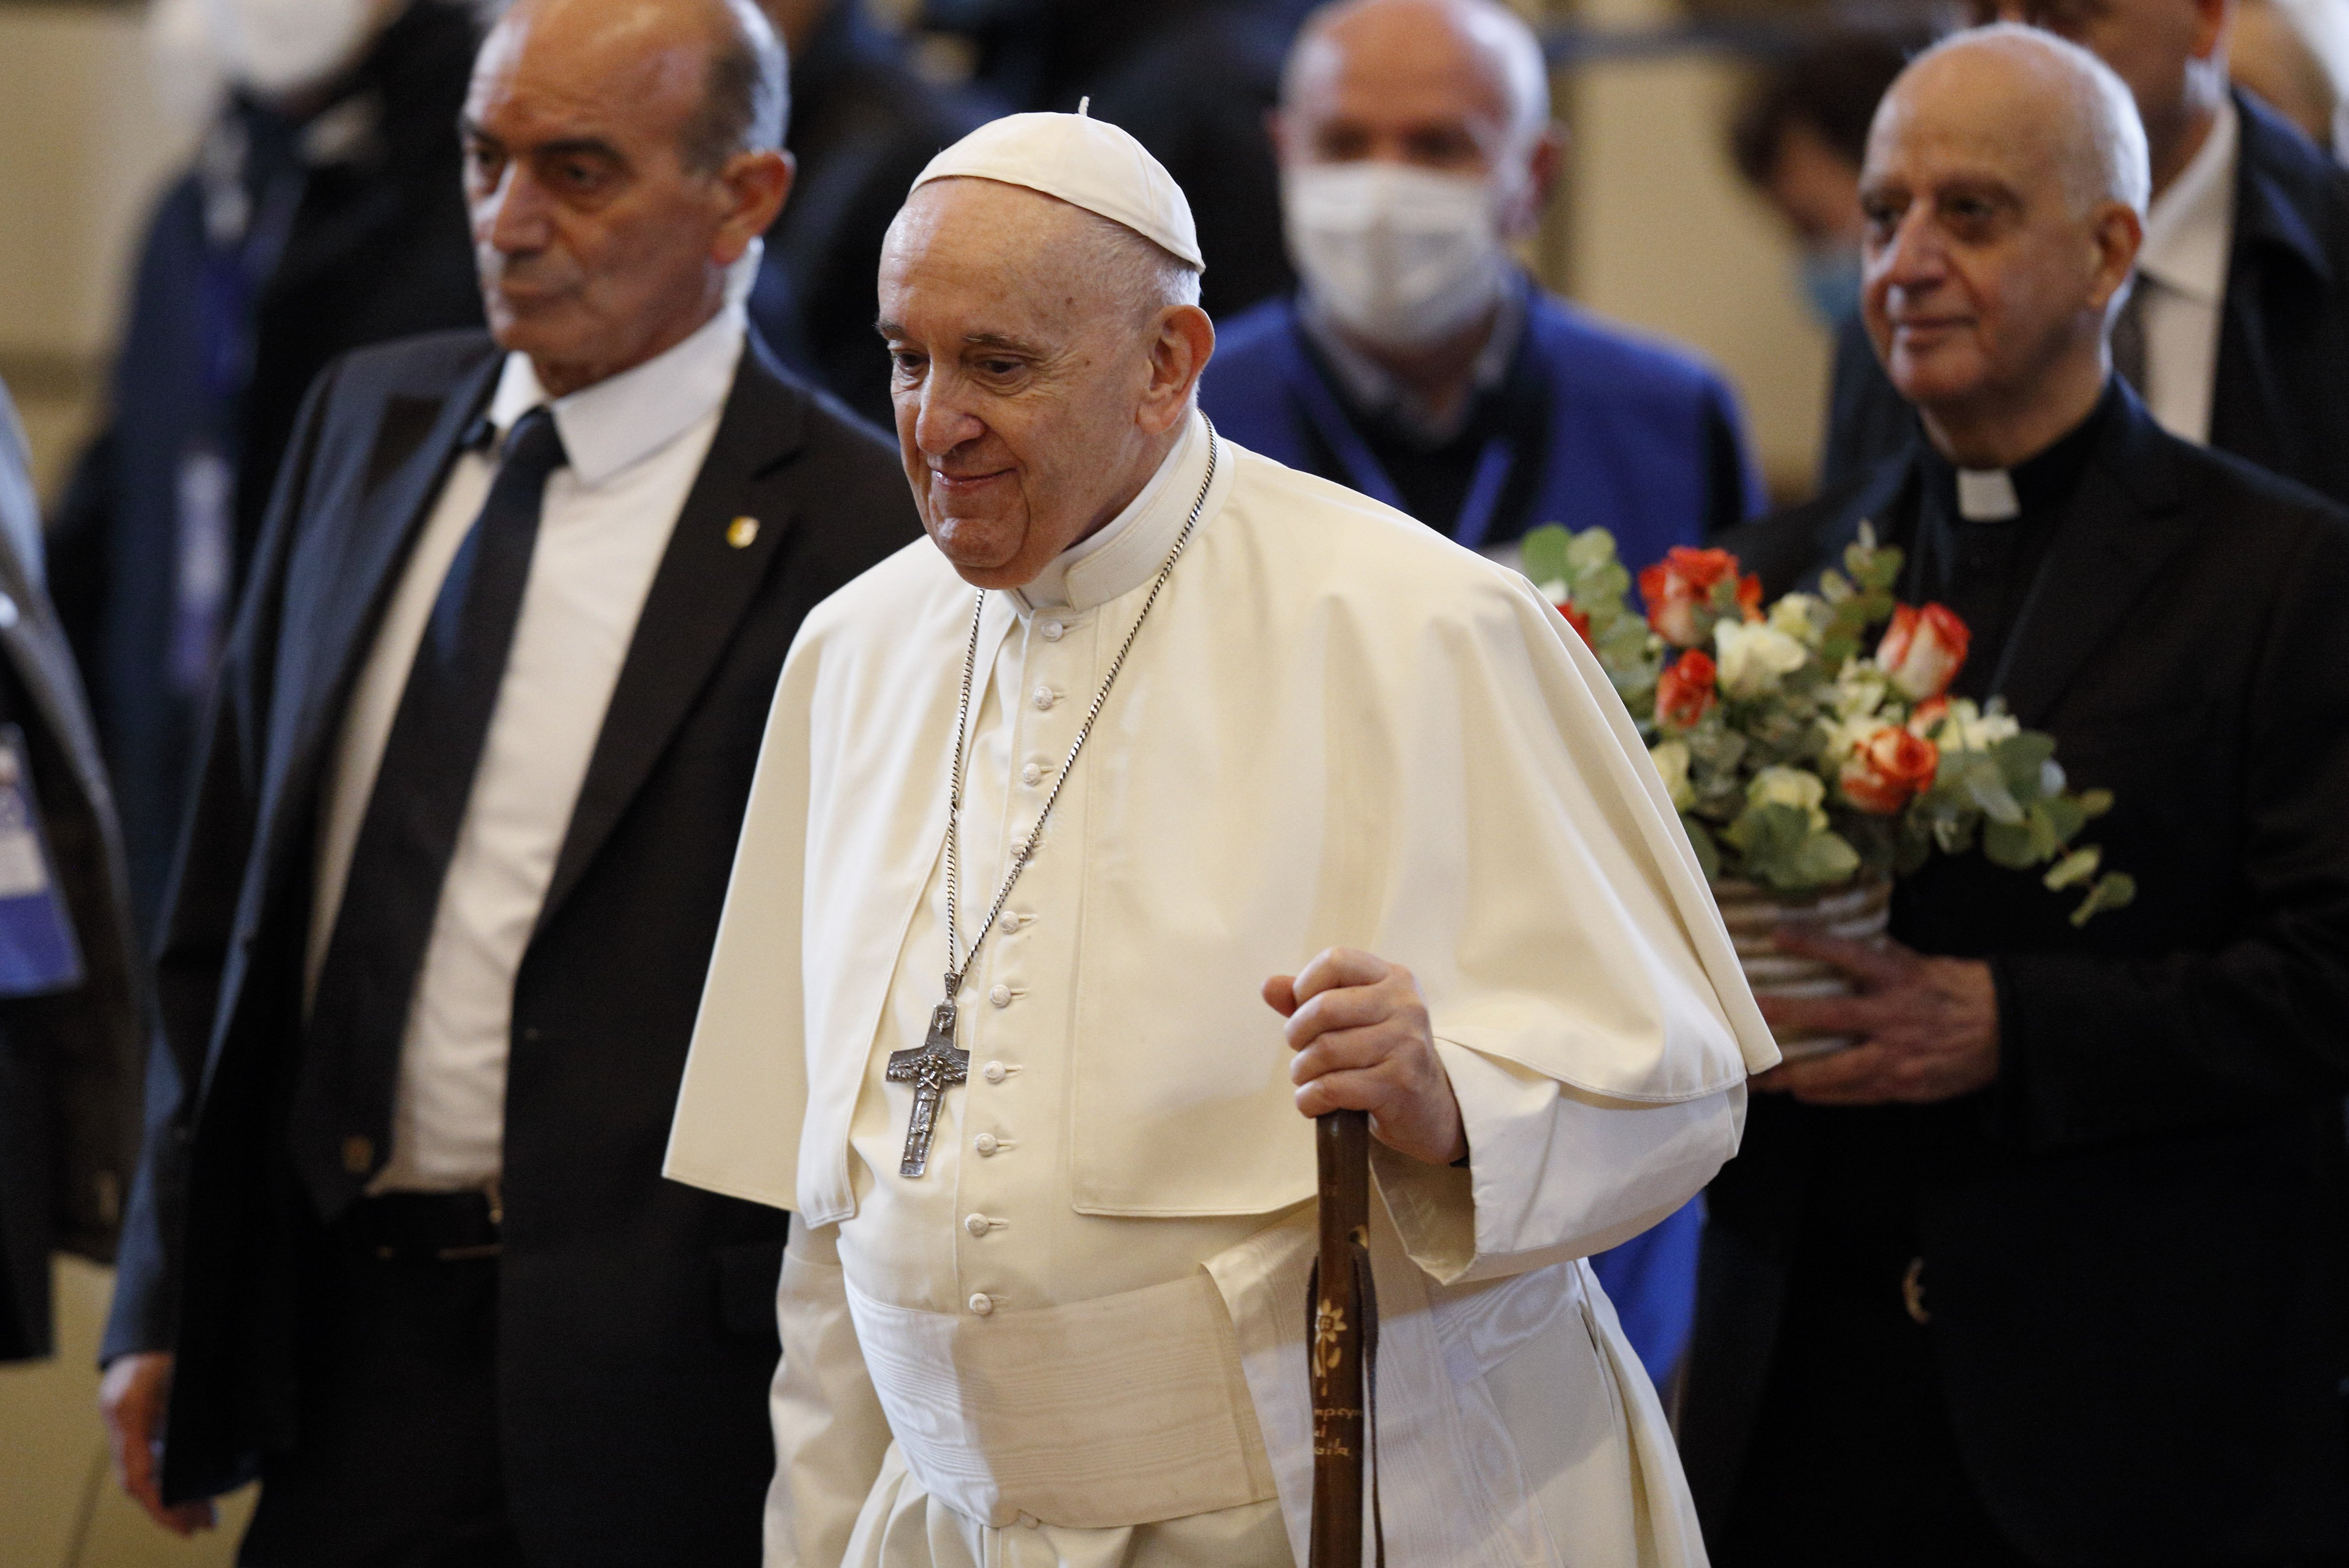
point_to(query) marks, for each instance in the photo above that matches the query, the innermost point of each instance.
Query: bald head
(2004, 195)
(1045, 362)
(620, 156)
(1463, 58)
(2032, 89)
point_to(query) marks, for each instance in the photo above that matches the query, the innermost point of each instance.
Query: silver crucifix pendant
(929, 1070)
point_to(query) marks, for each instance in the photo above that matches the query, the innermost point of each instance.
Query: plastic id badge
(38, 954)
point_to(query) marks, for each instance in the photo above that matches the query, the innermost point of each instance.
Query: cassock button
(986, 1144)
(1050, 630)
(1031, 1521)
(1043, 698)
(743, 533)
(992, 1072)
(358, 1154)
(1012, 920)
(1000, 996)
(977, 1224)
(982, 1304)
(1032, 775)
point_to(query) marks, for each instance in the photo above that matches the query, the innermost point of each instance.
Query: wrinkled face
(1019, 379)
(597, 246)
(1979, 273)
(2147, 43)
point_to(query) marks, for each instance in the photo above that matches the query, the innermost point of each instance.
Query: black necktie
(350, 1057)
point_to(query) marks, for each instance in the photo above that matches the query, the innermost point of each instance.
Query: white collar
(1373, 387)
(623, 419)
(2190, 228)
(1131, 548)
(1987, 495)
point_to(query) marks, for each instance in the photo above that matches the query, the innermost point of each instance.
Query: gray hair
(747, 102)
(1139, 270)
(2114, 165)
(1509, 46)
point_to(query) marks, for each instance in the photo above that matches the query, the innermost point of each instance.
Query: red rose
(1683, 583)
(1684, 693)
(1923, 649)
(1888, 770)
(1579, 620)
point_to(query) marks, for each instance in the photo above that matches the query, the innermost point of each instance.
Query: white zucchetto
(1085, 163)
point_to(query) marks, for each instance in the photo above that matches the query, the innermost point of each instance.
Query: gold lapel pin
(742, 532)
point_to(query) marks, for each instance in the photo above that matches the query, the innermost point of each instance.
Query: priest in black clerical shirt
(2050, 1268)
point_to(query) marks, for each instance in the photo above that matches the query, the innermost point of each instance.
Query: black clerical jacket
(636, 1333)
(2280, 395)
(2132, 1243)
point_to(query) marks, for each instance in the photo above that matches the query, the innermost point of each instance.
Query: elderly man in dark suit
(2237, 333)
(2049, 1269)
(73, 994)
(400, 1245)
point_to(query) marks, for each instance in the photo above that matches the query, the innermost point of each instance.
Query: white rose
(1859, 690)
(1804, 790)
(1754, 655)
(1801, 616)
(1672, 760)
(1987, 731)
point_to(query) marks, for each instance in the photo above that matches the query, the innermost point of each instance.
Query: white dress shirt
(2182, 268)
(635, 443)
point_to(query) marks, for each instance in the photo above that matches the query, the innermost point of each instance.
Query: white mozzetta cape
(1337, 728)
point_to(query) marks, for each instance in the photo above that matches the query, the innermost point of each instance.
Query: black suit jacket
(2133, 1241)
(69, 1063)
(2280, 392)
(637, 1330)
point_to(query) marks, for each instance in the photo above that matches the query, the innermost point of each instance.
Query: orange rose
(1684, 693)
(1577, 620)
(1887, 769)
(1923, 650)
(1682, 583)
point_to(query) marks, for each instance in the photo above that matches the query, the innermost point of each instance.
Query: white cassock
(1079, 1337)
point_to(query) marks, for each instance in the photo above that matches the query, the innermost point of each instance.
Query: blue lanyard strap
(1363, 465)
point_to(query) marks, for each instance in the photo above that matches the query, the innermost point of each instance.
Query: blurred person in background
(2049, 1268)
(1420, 365)
(322, 213)
(2274, 56)
(2236, 333)
(1798, 139)
(399, 1244)
(73, 992)
(864, 122)
(1191, 81)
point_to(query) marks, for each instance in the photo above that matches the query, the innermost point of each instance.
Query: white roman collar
(2191, 228)
(623, 419)
(1987, 495)
(1129, 549)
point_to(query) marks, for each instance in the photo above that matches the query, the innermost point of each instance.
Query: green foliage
(1994, 788)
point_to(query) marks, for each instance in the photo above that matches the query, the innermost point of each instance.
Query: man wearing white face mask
(321, 213)
(1418, 364)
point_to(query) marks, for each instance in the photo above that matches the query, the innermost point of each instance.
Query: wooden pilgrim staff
(1343, 1342)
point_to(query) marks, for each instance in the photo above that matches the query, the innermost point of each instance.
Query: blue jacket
(1633, 426)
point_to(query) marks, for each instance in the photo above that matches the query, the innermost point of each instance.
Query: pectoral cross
(929, 1070)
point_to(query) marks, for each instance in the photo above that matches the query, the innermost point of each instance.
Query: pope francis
(1148, 718)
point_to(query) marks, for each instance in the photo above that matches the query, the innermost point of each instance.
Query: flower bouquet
(1812, 748)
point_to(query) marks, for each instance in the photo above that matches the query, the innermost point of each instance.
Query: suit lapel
(404, 479)
(707, 579)
(2124, 524)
